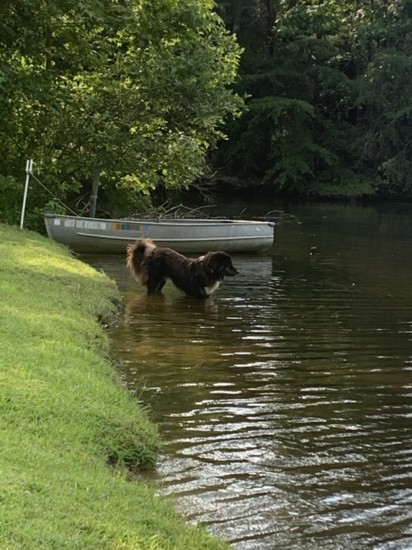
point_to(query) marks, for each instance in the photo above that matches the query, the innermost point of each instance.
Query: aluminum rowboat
(97, 235)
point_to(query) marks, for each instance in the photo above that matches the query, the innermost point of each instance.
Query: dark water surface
(285, 401)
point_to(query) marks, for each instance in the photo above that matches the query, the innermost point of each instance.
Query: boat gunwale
(198, 222)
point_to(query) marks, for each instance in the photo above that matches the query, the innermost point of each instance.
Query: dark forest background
(329, 97)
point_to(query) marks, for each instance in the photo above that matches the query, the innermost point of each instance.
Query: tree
(385, 94)
(284, 140)
(130, 90)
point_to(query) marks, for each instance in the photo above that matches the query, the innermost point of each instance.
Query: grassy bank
(67, 427)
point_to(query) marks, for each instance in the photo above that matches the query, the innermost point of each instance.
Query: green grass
(69, 431)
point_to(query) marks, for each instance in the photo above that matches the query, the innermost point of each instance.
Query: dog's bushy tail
(136, 258)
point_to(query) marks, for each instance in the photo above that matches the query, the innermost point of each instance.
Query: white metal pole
(29, 170)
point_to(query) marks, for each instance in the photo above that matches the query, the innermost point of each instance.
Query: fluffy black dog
(152, 265)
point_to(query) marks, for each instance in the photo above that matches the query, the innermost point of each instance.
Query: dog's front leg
(155, 285)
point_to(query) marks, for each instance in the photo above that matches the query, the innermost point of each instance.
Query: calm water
(285, 401)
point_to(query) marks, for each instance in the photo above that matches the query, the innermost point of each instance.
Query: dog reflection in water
(153, 265)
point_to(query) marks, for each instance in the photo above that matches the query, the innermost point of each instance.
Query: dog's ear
(212, 262)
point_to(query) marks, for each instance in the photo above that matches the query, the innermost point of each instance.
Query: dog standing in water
(152, 265)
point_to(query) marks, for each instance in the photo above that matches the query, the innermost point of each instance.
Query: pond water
(285, 400)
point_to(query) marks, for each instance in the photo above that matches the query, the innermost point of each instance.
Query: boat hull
(95, 235)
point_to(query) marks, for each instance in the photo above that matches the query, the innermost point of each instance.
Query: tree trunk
(271, 16)
(95, 190)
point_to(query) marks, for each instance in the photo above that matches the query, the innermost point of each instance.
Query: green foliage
(388, 119)
(12, 195)
(134, 90)
(397, 173)
(348, 63)
(344, 184)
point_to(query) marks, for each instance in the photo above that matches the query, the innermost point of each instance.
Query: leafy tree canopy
(134, 90)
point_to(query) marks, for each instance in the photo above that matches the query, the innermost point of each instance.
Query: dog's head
(219, 265)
